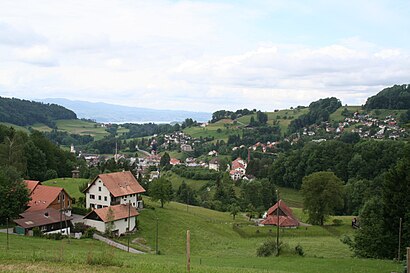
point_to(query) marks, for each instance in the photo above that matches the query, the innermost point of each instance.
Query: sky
(203, 55)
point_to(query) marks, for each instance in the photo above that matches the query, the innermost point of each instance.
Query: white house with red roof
(121, 216)
(113, 189)
(238, 168)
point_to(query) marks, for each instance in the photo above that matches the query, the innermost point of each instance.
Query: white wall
(120, 225)
(99, 225)
(64, 231)
(94, 189)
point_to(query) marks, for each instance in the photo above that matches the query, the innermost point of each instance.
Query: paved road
(117, 245)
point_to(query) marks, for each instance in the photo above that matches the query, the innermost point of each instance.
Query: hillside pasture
(215, 247)
(71, 185)
(225, 126)
(81, 127)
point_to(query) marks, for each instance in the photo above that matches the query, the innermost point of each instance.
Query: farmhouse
(238, 169)
(284, 215)
(117, 217)
(48, 220)
(43, 197)
(214, 164)
(113, 189)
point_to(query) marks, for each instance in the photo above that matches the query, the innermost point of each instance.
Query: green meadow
(218, 244)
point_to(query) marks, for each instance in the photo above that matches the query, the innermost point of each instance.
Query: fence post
(188, 251)
(408, 260)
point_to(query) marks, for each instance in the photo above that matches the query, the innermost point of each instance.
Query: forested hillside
(395, 97)
(25, 112)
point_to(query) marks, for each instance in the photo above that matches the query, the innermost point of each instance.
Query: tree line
(25, 112)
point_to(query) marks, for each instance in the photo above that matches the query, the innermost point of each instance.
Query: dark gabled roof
(41, 217)
(119, 183)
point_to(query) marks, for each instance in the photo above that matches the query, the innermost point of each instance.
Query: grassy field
(176, 181)
(292, 197)
(82, 127)
(69, 184)
(215, 247)
(226, 127)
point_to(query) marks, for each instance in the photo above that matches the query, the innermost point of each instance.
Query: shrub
(89, 232)
(299, 250)
(268, 248)
(37, 232)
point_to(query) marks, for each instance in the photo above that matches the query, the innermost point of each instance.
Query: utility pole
(129, 220)
(277, 224)
(398, 255)
(7, 226)
(156, 239)
(188, 251)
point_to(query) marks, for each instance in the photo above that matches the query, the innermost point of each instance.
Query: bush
(37, 232)
(55, 236)
(268, 248)
(80, 227)
(299, 250)
(89, 232)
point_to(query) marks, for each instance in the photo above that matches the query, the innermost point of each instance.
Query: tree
(261, 117)
(110, 222)
(14, 194)
(234, 209)
(322, 194)
(161, 190)
(165, 161)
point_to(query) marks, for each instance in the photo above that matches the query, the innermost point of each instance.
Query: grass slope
(82, 127)
(71, 185)
(215, 247)
(226, 127)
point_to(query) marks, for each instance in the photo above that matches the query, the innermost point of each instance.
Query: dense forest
(395, 97)
(25, 112)
(319, 111)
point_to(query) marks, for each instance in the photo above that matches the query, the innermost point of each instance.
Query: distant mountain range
(104, 112)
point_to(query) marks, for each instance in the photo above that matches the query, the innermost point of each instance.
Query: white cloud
(195, 55)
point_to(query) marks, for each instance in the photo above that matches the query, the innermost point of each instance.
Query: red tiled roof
(41, 217)
(286, 218)
(119, 212)
(32, 184)
(236, 164)
(284, 221)
(174, 161)
(119, 183)
(43, 196)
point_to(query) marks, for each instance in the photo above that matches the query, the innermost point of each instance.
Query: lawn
(16, 127)
(71, 185)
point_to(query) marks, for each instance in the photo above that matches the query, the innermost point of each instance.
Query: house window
(92, 196)
(105, 198)
(58, 198)
(125, 220)
(99, 188)
(92, 205)
(63, 197)
(99, 206)
(99, 197)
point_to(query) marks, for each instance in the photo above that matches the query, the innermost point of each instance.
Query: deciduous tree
(322, 194)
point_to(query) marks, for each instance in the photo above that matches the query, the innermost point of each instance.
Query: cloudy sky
(203, 55)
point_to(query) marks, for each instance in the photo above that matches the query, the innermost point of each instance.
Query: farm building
(282, 214)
